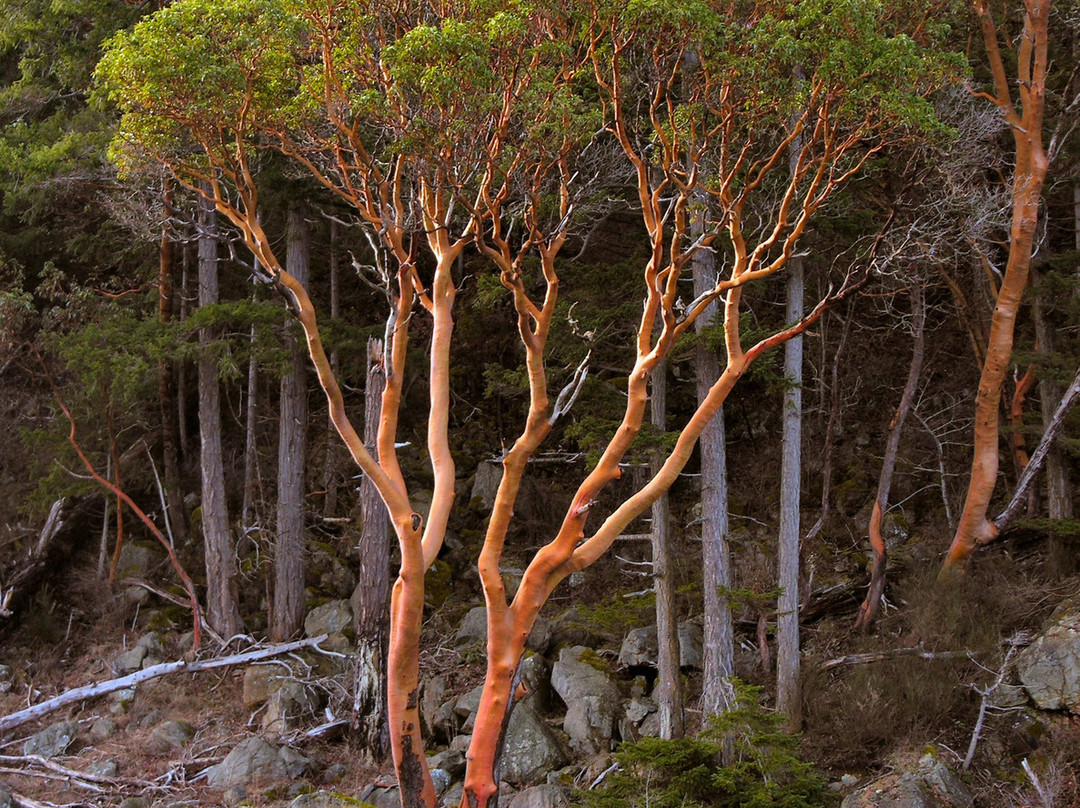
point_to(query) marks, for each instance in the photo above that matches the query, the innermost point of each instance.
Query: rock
(449, 761)
(103, 729)
(170, 736)
(432, 696)
(1050, 667)
(324, 799)
(121, 700)
(260, 681)
(52, 741)
(335, 617)
(135, 802)
(5, 797)
(441, 780)
(453, 796)
(573, 627)
(153, 643)
(592, 699)
(104, 768)
(295, 763)
(134, 562)
(691, 645)
(466, 706)
(289, 707)
(233, 796)
(129, 661)
(543, 796)
(334, 773)
(473, 631)
(385, 797)
(531, 748)
(536, 677)
(485, 485)
(639, 647)
(931, 785)
(251, 759)
(7, 678)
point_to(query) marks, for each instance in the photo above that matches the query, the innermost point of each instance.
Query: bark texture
(372, 596)
(788, 698)
(222, 611)
(668, 691)
(290, 600)
(1026, 124)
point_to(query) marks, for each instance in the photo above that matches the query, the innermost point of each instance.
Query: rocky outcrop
(52, 741)
(545, 796)
(593, 702)
(929, 785)
(1050, 667)
(639, 647)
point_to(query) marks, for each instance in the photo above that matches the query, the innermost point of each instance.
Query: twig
(65, 772)
(1014, 642)
(180, 666)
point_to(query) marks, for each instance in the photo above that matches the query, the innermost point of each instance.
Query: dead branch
(881, 656)
(37, 558)
(180, 666)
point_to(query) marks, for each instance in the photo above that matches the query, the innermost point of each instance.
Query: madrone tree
(491, 128)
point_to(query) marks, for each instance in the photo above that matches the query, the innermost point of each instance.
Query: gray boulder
(324, 799)
(334, 617)
(930, 785)
(1050, 667)
(473, 630)
(544, 796)
(129, 661)
(52, 741)
(593, 702)
(486, 485)
(169, 736)
(639, 647)
(254, 759)
(531, 748)
(289, 706)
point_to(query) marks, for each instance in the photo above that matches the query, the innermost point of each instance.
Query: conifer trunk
(717, 694)
(372, 595)
(222, 611)
(788, 697)
(668, 691)
(290, 599)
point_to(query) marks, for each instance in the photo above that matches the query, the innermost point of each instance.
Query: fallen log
(881, 656)
(78, 694)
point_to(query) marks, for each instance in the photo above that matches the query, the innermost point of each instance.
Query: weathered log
(78, 694)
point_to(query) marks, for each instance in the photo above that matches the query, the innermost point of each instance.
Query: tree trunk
(372, 595)
(333, 446)
(974, 527)
(788, 698)
(869, 608)
(1058, 491)
(668, 691)
(717, 693)
(174, 496)
(251, 456)
(222, 611)
(290, 599)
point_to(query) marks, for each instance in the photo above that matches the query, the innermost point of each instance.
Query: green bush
(743, 759)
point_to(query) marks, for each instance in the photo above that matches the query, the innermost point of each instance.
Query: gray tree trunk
(251, 457)
(222, 611)
(1058, 490)
(717, 693)
(371, 599)
(788, 699)
(333, 444)
(668, 691)
(290, 600)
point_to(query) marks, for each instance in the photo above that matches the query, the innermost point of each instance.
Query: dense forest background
(148, 367)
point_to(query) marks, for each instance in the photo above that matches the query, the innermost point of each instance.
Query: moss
(438, 583)
(594, 660)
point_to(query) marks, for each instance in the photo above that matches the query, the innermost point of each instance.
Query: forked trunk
(974, 527)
